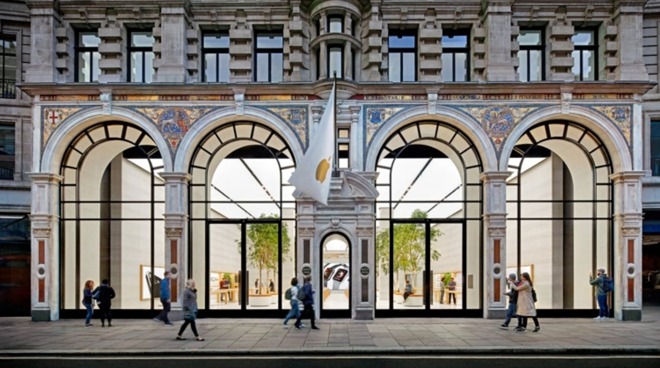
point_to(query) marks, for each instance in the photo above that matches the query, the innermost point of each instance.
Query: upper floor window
(269, 55)
(141, 60)
(215, 48)
(585, 60)
(531, 55)
(335, 24)
(8, 66)
(87, 56)
(655, 147)
(335, 61)
(455, 59)
(7, 149)
(402, 45)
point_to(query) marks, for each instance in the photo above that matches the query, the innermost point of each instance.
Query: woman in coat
(525, 306)
(189, 310)
(88, 302)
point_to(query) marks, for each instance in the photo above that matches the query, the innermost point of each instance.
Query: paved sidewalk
(21, 337)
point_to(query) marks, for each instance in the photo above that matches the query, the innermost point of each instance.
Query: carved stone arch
(459, 120)
(69, 129)
(361, 187)
(607, 132)
(211, 121)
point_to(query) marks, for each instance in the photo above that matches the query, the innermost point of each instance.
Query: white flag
(312, 175)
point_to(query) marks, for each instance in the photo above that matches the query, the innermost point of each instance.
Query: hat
(512, 276)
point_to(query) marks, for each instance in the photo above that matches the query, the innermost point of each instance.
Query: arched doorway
(559, 213)
(428, 220)
(111, 208)
(335, 299)
(242, 220)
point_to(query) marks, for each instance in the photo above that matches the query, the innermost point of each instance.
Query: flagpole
(334, 105)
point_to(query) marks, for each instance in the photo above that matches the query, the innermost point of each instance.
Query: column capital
(490, 176)
(623, 176)
(43, 178)
(174, 177)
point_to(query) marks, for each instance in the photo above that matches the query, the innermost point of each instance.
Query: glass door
(243, 265)
(425, 273)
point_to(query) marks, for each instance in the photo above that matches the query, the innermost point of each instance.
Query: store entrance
(335, 286)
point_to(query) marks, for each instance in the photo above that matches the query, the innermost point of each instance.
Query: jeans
(166, 309)
(294, 312)
(510, 312)
(603, 311)
(90, 312)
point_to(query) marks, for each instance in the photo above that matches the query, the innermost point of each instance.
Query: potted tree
(262, 251)
(409, 248)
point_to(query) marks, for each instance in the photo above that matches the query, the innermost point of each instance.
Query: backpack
(301, 294)
(608, 284)
(287, 294)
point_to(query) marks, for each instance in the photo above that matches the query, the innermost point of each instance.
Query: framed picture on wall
(147, 288)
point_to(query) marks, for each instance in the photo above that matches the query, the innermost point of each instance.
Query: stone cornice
(348, 88)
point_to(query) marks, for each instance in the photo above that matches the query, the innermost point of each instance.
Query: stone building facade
(486, 86)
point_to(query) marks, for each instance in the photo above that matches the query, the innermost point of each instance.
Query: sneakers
(314, 328)
(88, 325)
(536, 329)
(156, 319)
(520, 329)
(286, 327)
(300, 326)
(169, 323)
(597, 318)
(504, 327)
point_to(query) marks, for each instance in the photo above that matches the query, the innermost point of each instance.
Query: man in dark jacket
(105, 294)
(513, 300)
(308, 302)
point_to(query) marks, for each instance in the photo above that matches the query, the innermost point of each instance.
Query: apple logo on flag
(322, 169)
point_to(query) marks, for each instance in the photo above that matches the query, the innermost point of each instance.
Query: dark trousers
(307, 313)
(104, 308)
(166, 309)
(192, 324)
(452, 295)
(603, 311)
(523, 323)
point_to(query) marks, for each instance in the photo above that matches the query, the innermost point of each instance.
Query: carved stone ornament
(496, 232)
(631, 231)
(41, 233)
(335, 223)
(173, 232)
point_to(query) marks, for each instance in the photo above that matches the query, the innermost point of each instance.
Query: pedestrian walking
(600, 282)
(525, 307)
(189, 310)
(88, 302)
(308, 303)
(513, 299)
(295, 303)
(105, 295)
(165, 300)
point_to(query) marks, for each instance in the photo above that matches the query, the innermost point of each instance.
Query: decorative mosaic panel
(620, 115)
(52, 117)
(498, 120)
(375, 116)
(173, 122)
(295, 116)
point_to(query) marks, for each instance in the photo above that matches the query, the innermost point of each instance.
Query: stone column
(495, 243)
(348, 62)
(176, 249)
(43, 22)
(627, 272)
(629, 17)
(173, 45)
(45, 278)
(322, 62)
(497, 19)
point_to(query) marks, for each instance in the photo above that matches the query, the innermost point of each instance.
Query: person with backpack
(603, 286)
(525, 307)
(306, 295)
(104, 294)
(291, 294)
